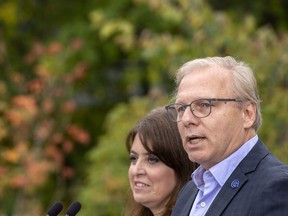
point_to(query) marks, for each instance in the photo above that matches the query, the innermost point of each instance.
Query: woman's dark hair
(160, 137)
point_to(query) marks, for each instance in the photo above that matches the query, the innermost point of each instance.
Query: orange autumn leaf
(76, 43)
(54, 48)
(48, 105)
(68, 146)
(78, 134)
(18, 181)
(68, 172)
(37, 172)
(11, 156)
(35, 86)
(55, 154)
(69, 106)
(14, 116)
(3, 171)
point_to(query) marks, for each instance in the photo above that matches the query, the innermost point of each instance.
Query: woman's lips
(140, 185)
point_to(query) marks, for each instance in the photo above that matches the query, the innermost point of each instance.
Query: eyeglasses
(200, 108)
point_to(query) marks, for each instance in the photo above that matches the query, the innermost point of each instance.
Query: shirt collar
(224, 169)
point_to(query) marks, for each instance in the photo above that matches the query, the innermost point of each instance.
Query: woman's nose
(139, 168)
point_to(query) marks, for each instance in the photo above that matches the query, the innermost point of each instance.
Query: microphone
(73, 209)
(55, 209)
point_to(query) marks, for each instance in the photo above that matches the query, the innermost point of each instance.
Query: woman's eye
(153, 159)
(133, 158)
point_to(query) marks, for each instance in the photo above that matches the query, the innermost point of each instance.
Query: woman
(159, 165)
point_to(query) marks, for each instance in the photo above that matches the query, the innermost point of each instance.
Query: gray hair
(245, 85)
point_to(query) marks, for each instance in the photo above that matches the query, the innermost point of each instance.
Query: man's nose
(188, 117)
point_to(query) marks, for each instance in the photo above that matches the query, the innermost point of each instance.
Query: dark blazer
(262, 189)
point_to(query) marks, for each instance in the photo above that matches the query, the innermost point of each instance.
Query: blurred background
(75, 76)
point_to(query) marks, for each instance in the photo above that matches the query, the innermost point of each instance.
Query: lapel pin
(235, 183)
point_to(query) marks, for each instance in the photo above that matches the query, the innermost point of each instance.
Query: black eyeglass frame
(210, 100)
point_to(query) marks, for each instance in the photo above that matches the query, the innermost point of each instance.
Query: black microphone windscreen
(55, 209)
(73, 209)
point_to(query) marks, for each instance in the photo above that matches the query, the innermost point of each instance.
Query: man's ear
(249, 114)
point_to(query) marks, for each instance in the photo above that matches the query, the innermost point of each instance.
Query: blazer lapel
(226, 194)
(185, 200)
(190, 199)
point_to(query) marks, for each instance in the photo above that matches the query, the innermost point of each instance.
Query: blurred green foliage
(111, 62)
(272, 13)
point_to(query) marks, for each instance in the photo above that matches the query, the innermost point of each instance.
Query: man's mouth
(195, 139)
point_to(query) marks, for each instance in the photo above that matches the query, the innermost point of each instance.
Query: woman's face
(151, 181)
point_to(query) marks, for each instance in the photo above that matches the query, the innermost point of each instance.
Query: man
(218, 113)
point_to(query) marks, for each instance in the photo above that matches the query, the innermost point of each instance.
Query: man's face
(211, 139)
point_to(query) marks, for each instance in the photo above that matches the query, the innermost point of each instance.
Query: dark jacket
(262, 189)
